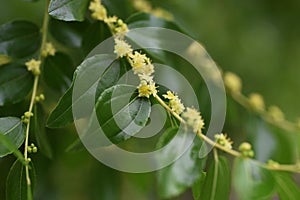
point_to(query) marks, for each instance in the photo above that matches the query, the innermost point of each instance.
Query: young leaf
(15, 83)
(217, 181)
(19, 39)
(62, 113)
(251, 181)
(57, 71)
(13, 131)
(121, 113)
(16, 185)
(186, 170)
(68, 10)
(286, 186)
(39, 130)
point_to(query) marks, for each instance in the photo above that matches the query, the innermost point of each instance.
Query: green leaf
(68, 33)
(5, 142)
(217, 181)
(251, 181)
(121, 113)
(16, 185)
(39, 130)
(14, 132)
(15, 83)
(19, 39)
(286, 186)
(62, 113)
(186, 170)
(197, 187)
(68, 10)
(57, 71)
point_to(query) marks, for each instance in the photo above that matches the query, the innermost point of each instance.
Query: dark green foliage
(13, 135)
(19, 39)
(15, 83)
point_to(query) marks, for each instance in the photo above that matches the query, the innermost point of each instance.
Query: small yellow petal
(34, 66)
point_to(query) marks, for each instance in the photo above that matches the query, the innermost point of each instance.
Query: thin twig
(34, 92)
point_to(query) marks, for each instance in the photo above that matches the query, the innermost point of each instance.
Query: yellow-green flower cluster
(140, 63)
(223, 140)
(142, 66)
(146, 89)
(174, 102)
(34, 66)
(122, 48)
(120, 28)
(246, 149)
(233, 82)
(39, 98)
(26, 117)
(194, 119)
(99, 12)
(256, 102)
(32, 148)
(276, 114)
(48, 50)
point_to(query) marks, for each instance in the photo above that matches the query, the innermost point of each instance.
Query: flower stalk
(34, 67)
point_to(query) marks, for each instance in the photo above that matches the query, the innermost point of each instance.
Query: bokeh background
(258, 39)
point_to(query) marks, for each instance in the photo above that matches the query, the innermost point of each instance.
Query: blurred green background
(257, 39)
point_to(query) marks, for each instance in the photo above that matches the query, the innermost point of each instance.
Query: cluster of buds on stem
(26, 117)
(246, 150)
(32, 148)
